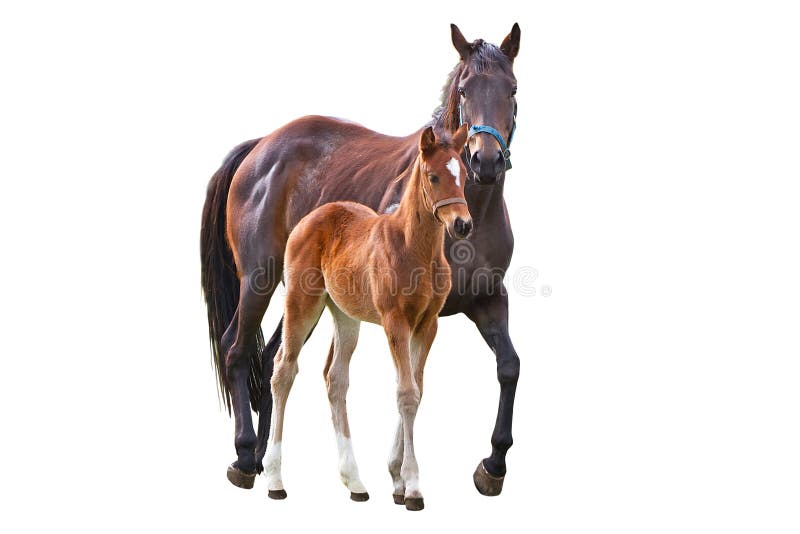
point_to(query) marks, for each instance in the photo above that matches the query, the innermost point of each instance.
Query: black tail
(218, 278)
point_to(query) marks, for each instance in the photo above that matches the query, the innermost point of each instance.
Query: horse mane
(407, 171)
(484, 56)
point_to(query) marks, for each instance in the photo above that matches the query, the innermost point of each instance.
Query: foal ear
(427, 141)
(510, 46)
(460, 137)
(460, 43)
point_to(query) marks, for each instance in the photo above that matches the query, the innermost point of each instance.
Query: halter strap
(447, 202)
(475, 130)
(434, 207)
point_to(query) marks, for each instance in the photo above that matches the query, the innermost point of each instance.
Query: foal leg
(490, 315)
(240, 341)
(265, 407)
(395, 463)
(399, 333)
(337, 379)
(421, 343)
(302, 312)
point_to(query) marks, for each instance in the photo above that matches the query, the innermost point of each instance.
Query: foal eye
(461, 91)
(434, 179)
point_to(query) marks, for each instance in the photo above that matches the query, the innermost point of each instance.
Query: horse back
(307, 163)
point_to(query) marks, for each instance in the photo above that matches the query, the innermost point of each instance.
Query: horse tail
(218, 274)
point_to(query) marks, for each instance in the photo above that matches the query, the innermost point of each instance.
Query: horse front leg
(421, 342)
(399, 333)
(490, 315)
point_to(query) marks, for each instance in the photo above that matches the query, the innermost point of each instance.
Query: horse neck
(486, 202)
(421, 229)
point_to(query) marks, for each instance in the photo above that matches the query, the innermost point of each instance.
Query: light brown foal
(385, 269)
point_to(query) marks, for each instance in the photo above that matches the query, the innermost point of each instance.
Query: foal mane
(484, 56)
(445, 140)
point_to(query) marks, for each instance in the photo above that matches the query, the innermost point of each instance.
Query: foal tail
(218, 274)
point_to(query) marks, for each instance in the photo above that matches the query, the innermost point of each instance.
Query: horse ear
(460, 43)
(460, 137)
(427, 141)
(510, 46)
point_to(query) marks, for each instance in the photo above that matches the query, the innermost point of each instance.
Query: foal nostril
(462, 227)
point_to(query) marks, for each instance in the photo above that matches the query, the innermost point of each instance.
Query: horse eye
(461, 91)
(434, 179)
(514, 91)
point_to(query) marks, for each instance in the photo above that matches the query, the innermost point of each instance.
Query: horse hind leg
(302, 313)
(240, 342)
(337, 379)
(265, 404)
(265, 412)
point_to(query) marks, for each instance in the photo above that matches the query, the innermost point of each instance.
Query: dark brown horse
(265, 186)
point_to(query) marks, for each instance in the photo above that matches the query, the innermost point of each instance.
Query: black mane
(484, 56)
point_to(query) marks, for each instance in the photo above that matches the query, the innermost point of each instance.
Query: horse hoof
(414, 503)
(359, 497)
(486, 483)
(240, 479)
(277, 494)
(399, 499)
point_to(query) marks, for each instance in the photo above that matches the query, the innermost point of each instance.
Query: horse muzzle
(487, 166)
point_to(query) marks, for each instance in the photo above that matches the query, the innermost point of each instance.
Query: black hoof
(414, 504)
(240, 479)
(399, 499)
(276, 494)
(486, 483)
(359, 497)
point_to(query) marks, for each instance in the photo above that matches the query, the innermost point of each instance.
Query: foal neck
(421, 228)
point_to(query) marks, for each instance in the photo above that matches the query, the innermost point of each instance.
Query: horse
(264, 188)
(387, 269)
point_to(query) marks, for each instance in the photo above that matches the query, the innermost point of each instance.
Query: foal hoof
(240, 479)
(486, 483)
(414, 503)
(399, 499)
(359, 497)
(277, 494)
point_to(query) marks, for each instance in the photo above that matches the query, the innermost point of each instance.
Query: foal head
(442, 178)
(481, 93)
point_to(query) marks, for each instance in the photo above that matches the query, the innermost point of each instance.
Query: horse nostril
(475, 162)
(467, 228)
(500, 159)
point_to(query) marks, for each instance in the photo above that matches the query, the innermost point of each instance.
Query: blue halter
(474, 130)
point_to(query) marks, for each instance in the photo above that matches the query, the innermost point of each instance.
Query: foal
(385, 269)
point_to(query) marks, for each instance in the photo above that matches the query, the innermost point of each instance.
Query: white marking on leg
(455, 170)
(272, 466)
(348, 469)
(396, 460)
(410, 470)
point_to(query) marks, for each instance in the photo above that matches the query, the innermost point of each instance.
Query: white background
(654, 190)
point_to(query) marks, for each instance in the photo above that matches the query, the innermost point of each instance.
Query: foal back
(333, 252)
